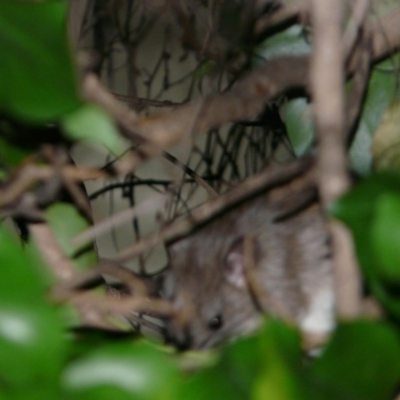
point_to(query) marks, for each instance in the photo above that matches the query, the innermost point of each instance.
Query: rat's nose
(181, 339)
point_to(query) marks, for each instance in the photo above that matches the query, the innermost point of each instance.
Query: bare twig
(196, 177)
(156, 202)
(125, 305)
(59, 159)
(140, 102)
(385, 33)
(286, 15)
(359, 84)
(31, 174)
(244, 101)
(251, 186)
(327, 80)
(356, 22)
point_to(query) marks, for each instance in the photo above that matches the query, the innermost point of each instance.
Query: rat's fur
(207, 281)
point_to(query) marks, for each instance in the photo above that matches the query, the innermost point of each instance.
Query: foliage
(40, 359)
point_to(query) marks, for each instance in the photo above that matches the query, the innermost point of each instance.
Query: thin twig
(356, 22)
(359, 84)
(30, 174)
(250, 187)
(244, 101)
(327, 82)
(155, 202)
(285, 15)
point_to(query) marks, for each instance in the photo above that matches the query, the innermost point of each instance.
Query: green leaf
(360, 209)
(92, 124)
(32, 348)
(10, 154)
(264, 365)
(66, 222)
(37, 80)
(362, 361)
(299, 126)
(212, 383)
(282, 376)
(385, 236)
(21, 278)
(291, 41)
(124, 371)
(380, 94)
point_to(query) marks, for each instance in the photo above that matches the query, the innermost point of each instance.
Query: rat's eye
(216, 322)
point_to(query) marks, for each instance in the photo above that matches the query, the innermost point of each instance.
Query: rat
(208, 277)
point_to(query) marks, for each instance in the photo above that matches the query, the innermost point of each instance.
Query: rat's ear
(234, 267)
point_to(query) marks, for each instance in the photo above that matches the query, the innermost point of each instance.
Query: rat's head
(206, 283)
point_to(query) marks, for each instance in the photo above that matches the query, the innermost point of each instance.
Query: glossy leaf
(213, 383)
(37, 80)
(292, 41)
(385, 236)
(90, 123)
(362, 361)
(32, 346)
(124, 371)
(264, 365)
(380, 94)
(356, 208)
(360, 209)
(299, 125)
(281, 376)
(21, 280)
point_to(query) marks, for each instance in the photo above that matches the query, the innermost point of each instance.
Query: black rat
(208, 278)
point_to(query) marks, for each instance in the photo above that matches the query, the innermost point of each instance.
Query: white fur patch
(234, 269)
(319, 318)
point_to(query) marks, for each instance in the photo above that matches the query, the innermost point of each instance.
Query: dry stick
(356, 22)
(244, 101)
(123, 306)
(196, 177)
(359, 84)
(155, 202)
(327, 83)
(94, 91)
(31, 174)
(58, 161)
(251, 186)
(285, 15)
(144, 102)
(385, 34)
(62, 268)
(95, 310)
(94, 277)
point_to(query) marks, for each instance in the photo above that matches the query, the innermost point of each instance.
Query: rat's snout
(178, 336)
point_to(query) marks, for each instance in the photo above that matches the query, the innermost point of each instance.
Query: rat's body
(208, 276)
